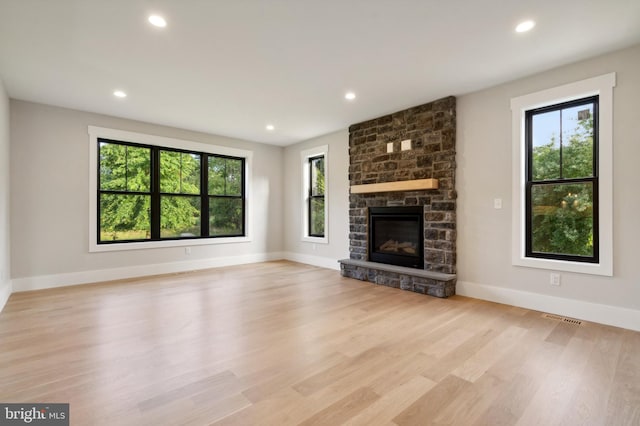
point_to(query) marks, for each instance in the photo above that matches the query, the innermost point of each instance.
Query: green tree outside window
(563, 181)
(125, 193)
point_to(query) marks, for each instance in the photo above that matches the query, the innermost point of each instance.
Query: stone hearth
(431, 129)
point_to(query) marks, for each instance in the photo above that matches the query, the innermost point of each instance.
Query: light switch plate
(390, 147)
(405, 145)
(497, 203)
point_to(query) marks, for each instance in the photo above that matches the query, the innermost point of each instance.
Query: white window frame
(603, 87)
(121, 135)
(304, 158)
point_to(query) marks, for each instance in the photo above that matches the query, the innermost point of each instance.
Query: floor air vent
(553, 317)
(563, 319)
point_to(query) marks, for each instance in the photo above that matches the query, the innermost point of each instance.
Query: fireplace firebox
(396, 236)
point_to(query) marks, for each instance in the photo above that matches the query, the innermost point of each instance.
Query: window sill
(565, 266)
(96, 248)
(316, 240)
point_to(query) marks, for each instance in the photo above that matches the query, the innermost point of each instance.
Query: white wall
(484, 173)
(325, 255)
(50, 203)
(5, 283)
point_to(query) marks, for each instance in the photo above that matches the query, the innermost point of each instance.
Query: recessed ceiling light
(525, 26)
(270, 127)
(350, 96)
(119, 94)
(157, 21)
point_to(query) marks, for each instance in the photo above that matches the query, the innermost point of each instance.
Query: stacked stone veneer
(432, 130)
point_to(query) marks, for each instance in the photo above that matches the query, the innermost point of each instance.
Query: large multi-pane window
(316, 196)
(151, 193)
(562, 181)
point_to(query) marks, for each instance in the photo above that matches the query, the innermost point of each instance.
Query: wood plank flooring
(281, 343)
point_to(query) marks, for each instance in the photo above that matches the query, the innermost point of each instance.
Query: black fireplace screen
(396, 236)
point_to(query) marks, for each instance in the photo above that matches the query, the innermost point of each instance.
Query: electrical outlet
(497, 203)
(187, 250)
(554, 279)
(405, 145)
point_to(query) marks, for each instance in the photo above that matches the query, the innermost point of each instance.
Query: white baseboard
(5, 291)
(323, 262)
(93, 276)
(594, 312)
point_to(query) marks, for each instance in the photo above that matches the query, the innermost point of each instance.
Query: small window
(316, 196)
(315, 184)
(562, 181)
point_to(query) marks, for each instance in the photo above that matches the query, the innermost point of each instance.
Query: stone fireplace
(402, 167)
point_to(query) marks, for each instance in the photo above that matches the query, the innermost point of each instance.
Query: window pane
(562, 219)
(179, 173)
(225, 176)
(317, 217)
(190, 174)
(546, 145)
(113, 167)
(217, 167)
(138, 169)
(234, 177)
(577, 141)
(317, 176)
(170, 172)
(124, 168)
(124, 217)
(179, 216)
(225, 216)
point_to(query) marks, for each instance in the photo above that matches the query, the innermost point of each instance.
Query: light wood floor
(282, 343)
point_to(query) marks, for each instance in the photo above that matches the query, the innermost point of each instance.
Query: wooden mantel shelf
(405, 185)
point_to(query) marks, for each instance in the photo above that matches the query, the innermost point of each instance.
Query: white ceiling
(230, 67)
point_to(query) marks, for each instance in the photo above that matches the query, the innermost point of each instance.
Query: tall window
(152, 193)
(315, 200)
(562, 181)
(226, 196)
(179, 198)
(316, 196)
(124, 191)
(562, 165)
